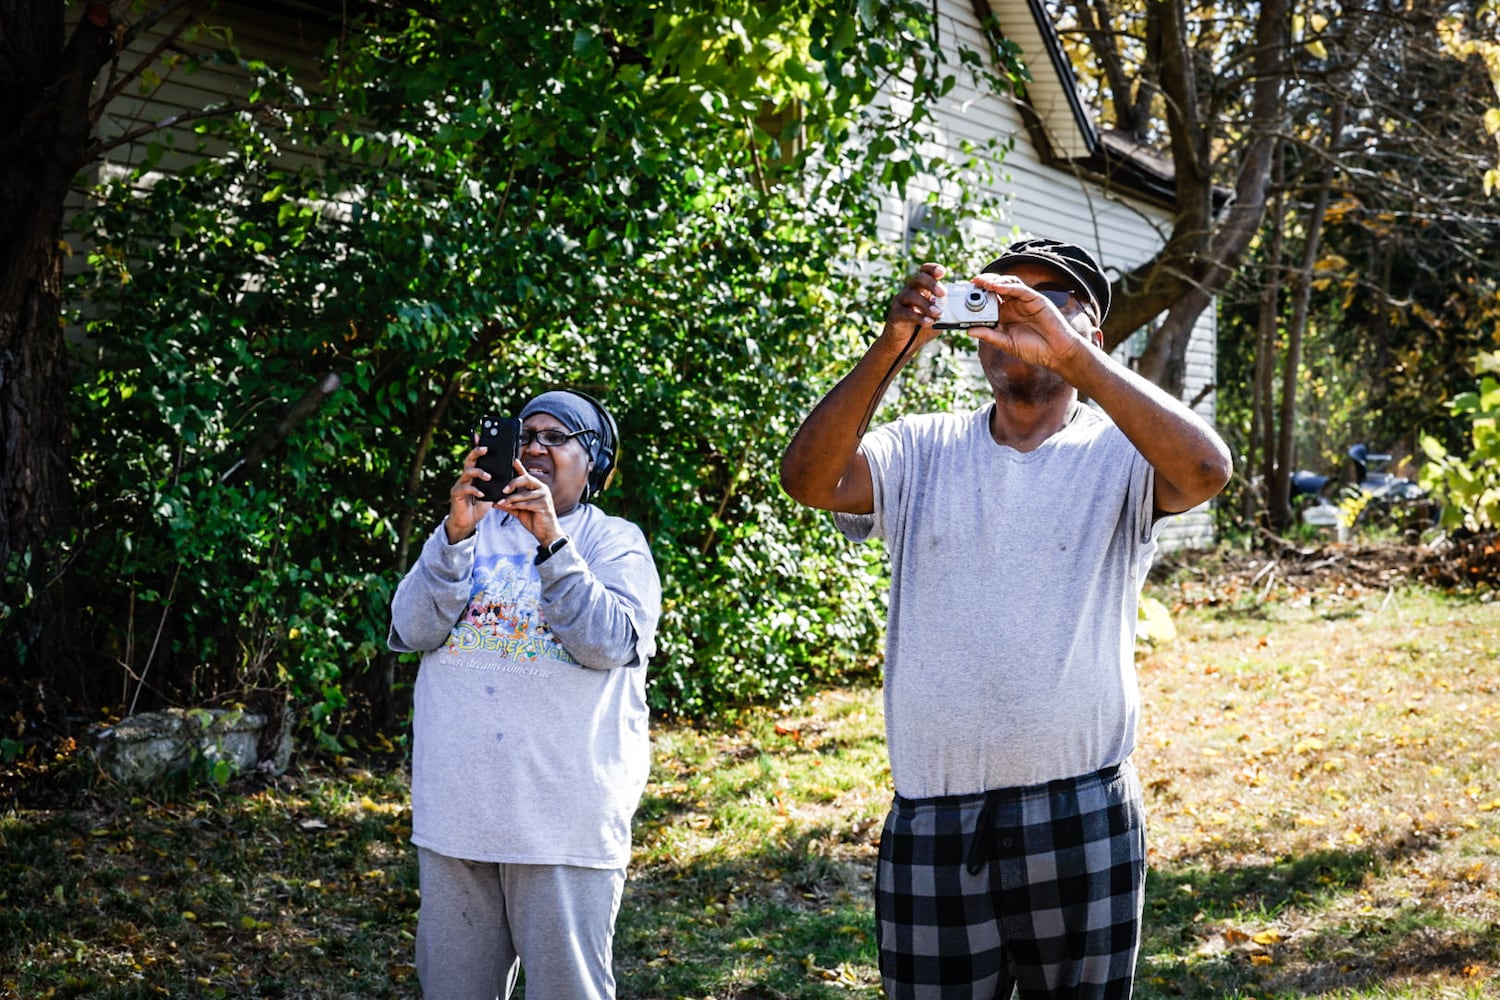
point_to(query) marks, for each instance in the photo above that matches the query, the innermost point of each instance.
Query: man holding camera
(1019, 537)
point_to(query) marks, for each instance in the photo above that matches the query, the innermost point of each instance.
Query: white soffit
(1050, 92)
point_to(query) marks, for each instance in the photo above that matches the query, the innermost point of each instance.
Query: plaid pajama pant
(1038, 889)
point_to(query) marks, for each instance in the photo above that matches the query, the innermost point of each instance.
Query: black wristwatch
(545, 552)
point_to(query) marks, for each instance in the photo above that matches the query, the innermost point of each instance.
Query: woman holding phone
(535, 614)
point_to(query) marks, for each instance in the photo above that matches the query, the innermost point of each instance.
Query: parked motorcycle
(1388, 498)
(1375, 497)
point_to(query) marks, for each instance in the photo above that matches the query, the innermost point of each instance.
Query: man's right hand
(916, 307)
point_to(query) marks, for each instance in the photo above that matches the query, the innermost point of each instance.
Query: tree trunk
(1263, 405)
(34, 491)
(45, 132)
(1286, 456)
(1204, 249)
(1165, 359)
(1263, 417)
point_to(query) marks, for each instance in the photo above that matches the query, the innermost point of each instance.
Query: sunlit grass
(1323, 782)
(1323, 773)
(757, 844)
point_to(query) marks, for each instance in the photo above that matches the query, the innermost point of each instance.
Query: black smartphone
(502, 437)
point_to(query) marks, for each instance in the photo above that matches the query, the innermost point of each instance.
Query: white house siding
(282, 34)
(1043, 200)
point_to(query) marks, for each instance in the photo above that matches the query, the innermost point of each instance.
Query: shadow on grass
(255, 890)
(1206, 930)
(307, 887)
(792, 920)
(743, 921)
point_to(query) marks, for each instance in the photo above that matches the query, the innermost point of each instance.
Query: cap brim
(1002, 264)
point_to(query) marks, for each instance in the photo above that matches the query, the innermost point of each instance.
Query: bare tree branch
(271, 436)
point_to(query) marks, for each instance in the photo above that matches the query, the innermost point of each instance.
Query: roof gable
(1060, 125)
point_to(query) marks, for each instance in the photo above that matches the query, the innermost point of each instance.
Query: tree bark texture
(1280, 507)
(1203, 249)
(46, 128)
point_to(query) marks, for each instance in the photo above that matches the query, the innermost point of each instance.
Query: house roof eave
(1109, 157)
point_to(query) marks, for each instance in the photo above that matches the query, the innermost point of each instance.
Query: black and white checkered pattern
(1040, 888)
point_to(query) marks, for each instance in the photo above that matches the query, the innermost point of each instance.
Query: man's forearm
(822, 466)
(814, 465)
(1192, 462)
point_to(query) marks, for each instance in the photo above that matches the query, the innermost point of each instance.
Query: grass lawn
(1323, 778)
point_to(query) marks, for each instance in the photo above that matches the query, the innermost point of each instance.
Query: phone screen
(502, 437)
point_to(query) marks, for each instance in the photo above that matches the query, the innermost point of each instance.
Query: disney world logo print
(505, 615)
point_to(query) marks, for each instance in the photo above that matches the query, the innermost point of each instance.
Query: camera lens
(975, 300)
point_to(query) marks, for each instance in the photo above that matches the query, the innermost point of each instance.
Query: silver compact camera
(967, 305)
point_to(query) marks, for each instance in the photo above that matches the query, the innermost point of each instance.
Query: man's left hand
(529, 501)
(1031, 328)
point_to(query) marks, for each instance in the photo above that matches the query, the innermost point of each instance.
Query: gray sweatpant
(481, 923)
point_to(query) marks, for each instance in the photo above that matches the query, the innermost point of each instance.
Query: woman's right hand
(465, 507)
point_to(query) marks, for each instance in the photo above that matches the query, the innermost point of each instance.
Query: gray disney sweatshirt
(531, 743)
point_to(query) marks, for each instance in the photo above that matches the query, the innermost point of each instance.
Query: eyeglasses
(1059, 296)
(549, 437)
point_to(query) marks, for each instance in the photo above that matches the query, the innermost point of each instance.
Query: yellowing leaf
(1154, 622)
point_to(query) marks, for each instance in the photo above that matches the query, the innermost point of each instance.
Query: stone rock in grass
(149, 746)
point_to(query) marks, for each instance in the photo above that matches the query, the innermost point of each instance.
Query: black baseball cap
(1074, 261)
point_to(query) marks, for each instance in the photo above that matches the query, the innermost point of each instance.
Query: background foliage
(1469, 481)
(1387, 152)
(671, 207)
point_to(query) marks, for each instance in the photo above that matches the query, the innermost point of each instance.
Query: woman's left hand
(529, 501)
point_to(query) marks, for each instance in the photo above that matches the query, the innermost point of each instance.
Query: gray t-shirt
(1015, 583)
(531, 742)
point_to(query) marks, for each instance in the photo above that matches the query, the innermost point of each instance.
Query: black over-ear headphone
(604, 466)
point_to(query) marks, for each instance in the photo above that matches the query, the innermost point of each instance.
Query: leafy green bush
(1469, 485)
(285, 362)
